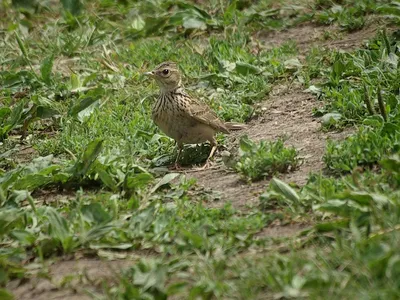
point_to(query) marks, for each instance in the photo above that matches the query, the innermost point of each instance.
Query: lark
(182, 117)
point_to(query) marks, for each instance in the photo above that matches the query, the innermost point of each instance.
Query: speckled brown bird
(182, 117)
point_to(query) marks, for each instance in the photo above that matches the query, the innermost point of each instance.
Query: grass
(72, 89)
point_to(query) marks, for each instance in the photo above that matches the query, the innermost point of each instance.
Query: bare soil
(70, 279)
(309, 35)
(288, 113)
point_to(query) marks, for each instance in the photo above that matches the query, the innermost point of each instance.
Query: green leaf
(46, 68)
(58, 224)
(137, 181)
(95, 213)
(58, 229)
(25, 4)
(106, 178)
(151, 276)
(364, 198)
(193, 23)
(195, 239)
(32, 181)
(21, 46)
(88, 111)
(7, 218)
(9, 179)
(245, 68)
(246, 145)
(97, 232)
(390, 11)
(89, 156)
(193, 8)
(338, 68)
(73, 6)
(74, 82)
(138, 23)
(41, 164)
(88, 99)
(165, 180)
(4, 113)
(330, 119)
(19, 196)
(13, 120)
(16, 114)
(176, 288)
(44, 112)
(342, 207)
(25, 237)
(390, 128)
(331, 226)
(6, 295)
(122, 246)
(285, 190)
(292, 64)
(392, 163)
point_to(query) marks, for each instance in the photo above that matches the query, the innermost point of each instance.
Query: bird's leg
(176, 164)
(214, 147)
(208, 162)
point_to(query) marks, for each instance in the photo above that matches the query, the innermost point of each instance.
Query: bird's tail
(235, 126)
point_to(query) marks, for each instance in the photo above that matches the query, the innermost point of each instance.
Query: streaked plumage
(180, 116)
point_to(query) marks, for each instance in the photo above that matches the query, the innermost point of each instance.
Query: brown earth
(70, 279)
(288, 113)
(308, 35)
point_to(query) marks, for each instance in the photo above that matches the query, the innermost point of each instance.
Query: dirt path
(308, 35)
(288, 113)
(70, 279)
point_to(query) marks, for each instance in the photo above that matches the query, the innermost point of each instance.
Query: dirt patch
(309, 35)
(288, 114)
(70, 280)
(279, 231)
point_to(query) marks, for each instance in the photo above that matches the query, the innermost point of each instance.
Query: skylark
(182, 117)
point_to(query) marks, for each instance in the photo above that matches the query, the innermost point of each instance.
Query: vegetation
(264, 159)
(93, 182)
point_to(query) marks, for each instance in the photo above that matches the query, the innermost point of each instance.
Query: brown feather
(235, 126)
(203, 113)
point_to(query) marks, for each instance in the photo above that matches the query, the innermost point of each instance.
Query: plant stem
(367, 101)
(386, 41)
(382, 105)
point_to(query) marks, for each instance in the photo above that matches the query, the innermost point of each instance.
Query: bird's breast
(175, 122)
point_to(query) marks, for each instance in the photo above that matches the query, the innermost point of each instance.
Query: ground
(287, 111)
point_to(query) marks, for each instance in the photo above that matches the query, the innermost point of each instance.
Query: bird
(183, 117)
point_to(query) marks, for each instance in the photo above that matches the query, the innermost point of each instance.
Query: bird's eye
(165, 71)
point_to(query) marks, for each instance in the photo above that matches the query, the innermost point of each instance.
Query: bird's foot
(175, 167)
(206, 166)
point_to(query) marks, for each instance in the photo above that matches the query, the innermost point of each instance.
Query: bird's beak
(150, 74)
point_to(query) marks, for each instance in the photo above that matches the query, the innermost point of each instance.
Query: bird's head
(166, 75)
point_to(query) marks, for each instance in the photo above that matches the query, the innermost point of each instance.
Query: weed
(348, 15)
(367, 147)
(261, 160)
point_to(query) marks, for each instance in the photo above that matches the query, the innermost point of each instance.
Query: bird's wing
(204, 114)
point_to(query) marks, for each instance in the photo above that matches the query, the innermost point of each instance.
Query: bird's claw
(206, 166)
(175, 167)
